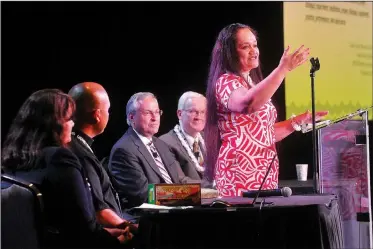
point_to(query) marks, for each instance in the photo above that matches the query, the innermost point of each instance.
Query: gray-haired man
(138, 158)
(186, 140)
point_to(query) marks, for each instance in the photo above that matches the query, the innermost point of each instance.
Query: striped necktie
(159, 163)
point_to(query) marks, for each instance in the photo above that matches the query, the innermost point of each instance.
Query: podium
(344, 169)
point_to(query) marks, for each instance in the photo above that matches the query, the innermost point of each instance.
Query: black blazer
(68, 205)
(132, 167)
(103, 193)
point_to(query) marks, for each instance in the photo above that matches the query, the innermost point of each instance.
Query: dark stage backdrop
(161, 47)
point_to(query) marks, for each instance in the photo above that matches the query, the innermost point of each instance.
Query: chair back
(21, 214)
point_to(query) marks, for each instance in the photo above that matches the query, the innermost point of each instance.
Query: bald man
(91, 118)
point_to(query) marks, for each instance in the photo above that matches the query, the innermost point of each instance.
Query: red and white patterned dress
(248, 143)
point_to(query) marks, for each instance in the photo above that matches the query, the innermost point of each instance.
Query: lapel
(167, 161)
(97, 165)
(202, 148)
(203, 151)
(144, 151)
(80, 146)
(185, 152)
(182, 147)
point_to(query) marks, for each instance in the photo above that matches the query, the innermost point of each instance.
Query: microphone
(308, 127)
(312, 60)
(315, 65)
(285, 191)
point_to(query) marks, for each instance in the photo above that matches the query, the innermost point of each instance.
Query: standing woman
(241, 129)
(34, 150)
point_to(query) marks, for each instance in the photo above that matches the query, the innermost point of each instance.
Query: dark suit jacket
(132, 168)
(67, 200)
(184, 159)
(103, 193)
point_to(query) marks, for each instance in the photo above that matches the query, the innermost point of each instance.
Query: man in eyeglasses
(186, 140)
(138, 158)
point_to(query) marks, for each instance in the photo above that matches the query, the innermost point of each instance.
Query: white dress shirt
(188, 137)
(145, 141)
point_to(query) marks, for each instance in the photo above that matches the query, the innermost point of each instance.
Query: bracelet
(295, 125)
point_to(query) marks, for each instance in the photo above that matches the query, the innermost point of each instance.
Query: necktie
(159, 163)
(197, 152)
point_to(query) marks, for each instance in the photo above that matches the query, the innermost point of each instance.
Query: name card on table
(175, 194)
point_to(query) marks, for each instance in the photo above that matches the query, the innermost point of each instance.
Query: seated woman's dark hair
(38, 124)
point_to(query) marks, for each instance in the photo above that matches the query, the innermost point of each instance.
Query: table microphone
(285, 191)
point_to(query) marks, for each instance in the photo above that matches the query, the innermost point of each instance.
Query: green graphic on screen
(340, 36)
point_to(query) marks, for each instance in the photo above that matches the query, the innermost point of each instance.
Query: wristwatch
(296, 126)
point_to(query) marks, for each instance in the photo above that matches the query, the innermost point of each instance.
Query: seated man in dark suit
(185, 139)
(91, 118)
(138, 158)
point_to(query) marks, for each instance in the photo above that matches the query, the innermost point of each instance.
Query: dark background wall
(161, 47)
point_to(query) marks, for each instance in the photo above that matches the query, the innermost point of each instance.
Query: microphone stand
(315, 67)
(261, 185)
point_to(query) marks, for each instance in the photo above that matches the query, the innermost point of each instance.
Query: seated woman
(34, 150)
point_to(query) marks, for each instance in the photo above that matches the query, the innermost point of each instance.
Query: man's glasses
(148, 113)
(195, 113)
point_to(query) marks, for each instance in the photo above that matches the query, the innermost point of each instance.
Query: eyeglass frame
(147, 113)
(194, 113)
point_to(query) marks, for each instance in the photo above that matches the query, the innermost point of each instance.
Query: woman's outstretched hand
(306, 118)
(289, 62)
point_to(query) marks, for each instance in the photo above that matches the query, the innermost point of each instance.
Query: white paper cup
(302, 170)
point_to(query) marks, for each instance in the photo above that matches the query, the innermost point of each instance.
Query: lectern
(343, 147)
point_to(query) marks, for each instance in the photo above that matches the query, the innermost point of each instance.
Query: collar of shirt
(86, 138)
(143, 139)
(188, 137)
